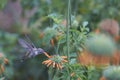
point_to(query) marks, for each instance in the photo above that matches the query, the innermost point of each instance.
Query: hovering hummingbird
(31, 49)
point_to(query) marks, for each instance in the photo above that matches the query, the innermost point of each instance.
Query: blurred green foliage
(112, 72)
(2, 3)
(100, 44)
(47, 20)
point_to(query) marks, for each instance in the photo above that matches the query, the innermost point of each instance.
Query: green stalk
(67, 35)
(50, 73)
(68, 26)
(55, 77)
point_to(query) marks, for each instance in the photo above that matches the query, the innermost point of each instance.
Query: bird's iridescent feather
(32, 51)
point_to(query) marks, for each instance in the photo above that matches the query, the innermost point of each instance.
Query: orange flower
(55, 61)
(102, 78)
(2, 59)
(52, 42)
(1, 69)
(72, 74)
(41, 35)
(46, 54)
(6, 61)
(97, 31)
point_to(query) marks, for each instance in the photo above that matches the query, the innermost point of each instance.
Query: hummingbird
(31, 49)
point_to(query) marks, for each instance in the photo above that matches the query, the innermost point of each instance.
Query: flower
(3, 61)
(55, 61)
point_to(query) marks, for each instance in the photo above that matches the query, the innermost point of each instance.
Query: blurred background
(20, 17)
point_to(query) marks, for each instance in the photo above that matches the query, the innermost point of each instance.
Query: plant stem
(68, 26)
(67, 35)
(50, 73)
(55, 77)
